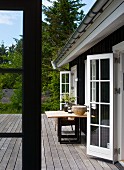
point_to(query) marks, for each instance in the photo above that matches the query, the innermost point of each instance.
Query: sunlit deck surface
(54, 155)
(10, 148)
(67, 156)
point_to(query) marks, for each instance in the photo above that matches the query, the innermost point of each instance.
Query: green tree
(13, 59)
(62, 18)
(3, 51)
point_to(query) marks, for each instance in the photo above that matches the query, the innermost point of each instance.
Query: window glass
(11, 39)
(105, 96)
(94, 140)
(105, 71)
(104, 133)
(105, 114)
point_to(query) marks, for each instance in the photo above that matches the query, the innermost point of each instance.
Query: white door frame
(74, 83)
(118, 51)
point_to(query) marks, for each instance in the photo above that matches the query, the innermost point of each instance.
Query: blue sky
(11, 23)
(11, 26)
(89, 4)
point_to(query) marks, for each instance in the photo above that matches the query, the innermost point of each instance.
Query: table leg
(78, 129)
(59, 129)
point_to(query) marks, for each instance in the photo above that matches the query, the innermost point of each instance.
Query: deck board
(55, 156)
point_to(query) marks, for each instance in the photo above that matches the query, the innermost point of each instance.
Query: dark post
(31, 148)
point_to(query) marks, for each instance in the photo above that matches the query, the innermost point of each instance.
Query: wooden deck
(55, 156)
(10, 148)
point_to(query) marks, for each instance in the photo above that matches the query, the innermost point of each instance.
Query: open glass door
(100, 102)
(65, 88)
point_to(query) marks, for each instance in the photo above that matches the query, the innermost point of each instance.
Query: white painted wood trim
(118, 51)
(86, 101)
(74, 69)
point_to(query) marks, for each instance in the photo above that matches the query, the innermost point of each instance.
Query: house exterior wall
(104, 46)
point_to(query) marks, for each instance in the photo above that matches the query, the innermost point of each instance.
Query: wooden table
(76, 138)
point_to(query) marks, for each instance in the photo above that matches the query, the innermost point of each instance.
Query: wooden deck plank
(102, 163)
(54, 153)
(7, 153)
(14, 154)
(55, 156)
(18, 165)
(47, 149)
(64, 161)
(4, 125)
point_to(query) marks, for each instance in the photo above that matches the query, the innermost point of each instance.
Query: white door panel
(65, 88)
(100, 103)
(68, 84)
(74, 80)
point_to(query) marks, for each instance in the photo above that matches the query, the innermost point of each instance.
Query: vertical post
(32, 87)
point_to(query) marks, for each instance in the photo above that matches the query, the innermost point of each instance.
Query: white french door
(74, 80)
(65, 88)
(100, 106)
(68, 84)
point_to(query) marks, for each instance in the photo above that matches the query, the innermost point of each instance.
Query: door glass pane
(72, 81)
(105, 73)
(94, 94)
(105, 115)
(63, 78)
(104, 140)
(63, 88)
(67, 88)
(94, 69)
(67, 78)
(94, 113)
(11, 39)
(94, 140)
(105, 96)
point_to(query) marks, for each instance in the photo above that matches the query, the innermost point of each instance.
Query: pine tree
(62, 18)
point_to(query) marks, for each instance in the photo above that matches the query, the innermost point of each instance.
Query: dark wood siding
(104, 46)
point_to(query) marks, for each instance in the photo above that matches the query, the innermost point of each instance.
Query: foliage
(12, 59)
(62, 18)
(66, 98)
(52, 102)
(16, 98)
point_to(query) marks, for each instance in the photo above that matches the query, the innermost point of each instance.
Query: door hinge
(117, 90)
(116, 151)
(116, 59)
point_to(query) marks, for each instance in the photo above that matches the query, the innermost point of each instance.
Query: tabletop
(59, 114)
